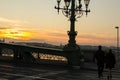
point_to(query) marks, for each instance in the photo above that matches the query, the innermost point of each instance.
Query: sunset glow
(38, 21)
(16, 34)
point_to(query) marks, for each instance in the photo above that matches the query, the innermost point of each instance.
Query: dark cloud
(13, 32)
(4, 28)
(37, 40)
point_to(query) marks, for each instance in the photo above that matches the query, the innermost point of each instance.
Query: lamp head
(86, 3)
(58, 1)
(116, 27)
(67, 3)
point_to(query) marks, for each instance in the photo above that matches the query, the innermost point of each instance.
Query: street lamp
(86, 5)
(67, 3)
(58, 2)
(73, 12)
(117, 38)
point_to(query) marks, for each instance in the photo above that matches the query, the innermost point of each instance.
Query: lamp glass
(67, 3)
(116, 27)
(86, 2)
(58, 1)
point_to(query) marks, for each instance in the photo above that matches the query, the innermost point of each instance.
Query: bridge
(25, 53)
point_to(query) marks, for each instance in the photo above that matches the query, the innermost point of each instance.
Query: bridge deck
(29, 48)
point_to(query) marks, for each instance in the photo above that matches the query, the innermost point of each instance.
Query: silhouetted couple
(102, 58)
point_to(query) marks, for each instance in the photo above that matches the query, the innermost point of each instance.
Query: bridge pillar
(28, 57)
(20, 55)
(38, 56)
(16, 54)
(73, 58)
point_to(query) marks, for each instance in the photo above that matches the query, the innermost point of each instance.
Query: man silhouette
(100, 58)
(110, 62)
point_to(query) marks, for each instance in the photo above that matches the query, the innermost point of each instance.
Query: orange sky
(29, 20)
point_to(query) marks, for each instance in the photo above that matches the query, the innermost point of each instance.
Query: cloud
(96, 38)
(7, 20)
(2, 28)
(58, 34)
(7, 23)
(13, 32)
(11, 21)
(81, 38)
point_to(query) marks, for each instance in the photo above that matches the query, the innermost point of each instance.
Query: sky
(38, 21)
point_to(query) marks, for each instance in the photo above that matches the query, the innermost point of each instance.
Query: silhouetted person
(110, 62)
(100, 58)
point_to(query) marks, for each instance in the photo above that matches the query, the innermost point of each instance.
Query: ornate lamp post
(73, 12)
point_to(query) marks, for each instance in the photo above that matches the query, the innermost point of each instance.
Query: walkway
(21, 72)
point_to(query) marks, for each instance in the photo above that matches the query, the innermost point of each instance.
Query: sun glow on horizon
(16, 34)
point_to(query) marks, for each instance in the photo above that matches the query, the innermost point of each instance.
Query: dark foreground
(10, 71)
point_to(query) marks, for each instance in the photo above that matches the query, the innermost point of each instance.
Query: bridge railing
(27, 53)
(32, 54)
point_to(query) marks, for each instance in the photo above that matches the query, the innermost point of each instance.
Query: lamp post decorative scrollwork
(73, 12)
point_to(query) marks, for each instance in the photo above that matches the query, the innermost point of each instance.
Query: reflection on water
(41, 56)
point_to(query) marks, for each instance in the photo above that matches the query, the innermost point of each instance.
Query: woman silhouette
(110, 63)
